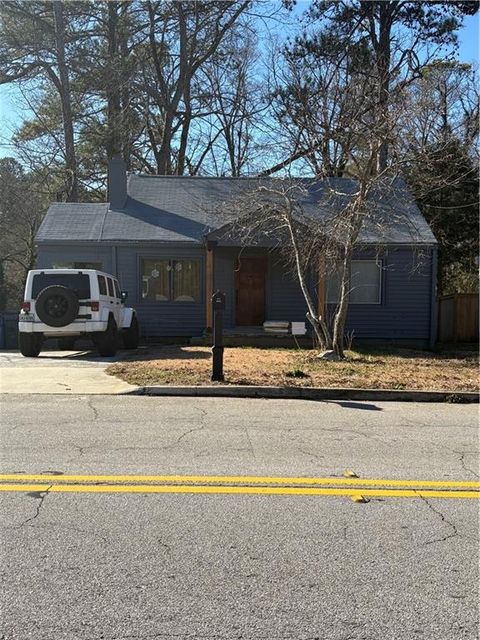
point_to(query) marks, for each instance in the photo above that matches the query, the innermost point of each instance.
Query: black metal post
(218, 305)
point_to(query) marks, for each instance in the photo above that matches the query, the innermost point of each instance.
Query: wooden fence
(458, 317)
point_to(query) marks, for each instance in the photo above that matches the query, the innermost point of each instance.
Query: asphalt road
(90, 565)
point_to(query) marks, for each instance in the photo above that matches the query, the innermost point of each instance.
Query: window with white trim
(365, 283)
(171, 280)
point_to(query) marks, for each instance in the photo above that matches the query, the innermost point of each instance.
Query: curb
(310, 393)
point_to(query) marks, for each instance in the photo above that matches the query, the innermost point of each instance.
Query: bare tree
(182, 36)
(22, 206)
(237, 103)
(320, 235)
(315, 100)
(444, 102)
(62, 83)
(33, 44)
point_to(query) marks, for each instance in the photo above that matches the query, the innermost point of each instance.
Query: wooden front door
(250, 291)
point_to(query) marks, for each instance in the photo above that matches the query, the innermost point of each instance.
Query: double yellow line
(354, 488)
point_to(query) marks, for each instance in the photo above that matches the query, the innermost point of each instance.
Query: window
(365, 284)
(102, 285)
(186, 280)
(111, 292)
(156, 280)
(117, 289)
(171, 280)
(78, 282)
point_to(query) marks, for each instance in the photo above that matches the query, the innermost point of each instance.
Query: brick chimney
(117, 183)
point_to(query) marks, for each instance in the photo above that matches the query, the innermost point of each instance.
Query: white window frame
(379, 263)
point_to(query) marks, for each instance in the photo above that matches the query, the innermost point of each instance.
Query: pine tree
(451, 209)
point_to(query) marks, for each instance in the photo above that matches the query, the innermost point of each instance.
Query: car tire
(66, 344)
(57, 306)
(131, 336)
(30, 344)
(107, 341)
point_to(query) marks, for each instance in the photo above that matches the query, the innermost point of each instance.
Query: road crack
(462, 455)
(40, 496)
(81, 451)
(250, 444)
(310, 454)
(203, 414)
(92, 408)
(454, 532)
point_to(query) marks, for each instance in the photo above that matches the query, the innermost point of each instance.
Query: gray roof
(186, 209)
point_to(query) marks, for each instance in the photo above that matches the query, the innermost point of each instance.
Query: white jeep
(68, 303)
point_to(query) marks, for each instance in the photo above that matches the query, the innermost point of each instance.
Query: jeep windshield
(78, 282)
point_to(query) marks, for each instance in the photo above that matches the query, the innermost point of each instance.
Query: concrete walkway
(65, 372)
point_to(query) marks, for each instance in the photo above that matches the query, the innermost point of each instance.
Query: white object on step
(275, 326)
(298, 328)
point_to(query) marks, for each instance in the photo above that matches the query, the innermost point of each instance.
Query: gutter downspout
(114, 261)
(433, 299)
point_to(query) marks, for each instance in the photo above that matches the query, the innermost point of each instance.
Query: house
(159, 235)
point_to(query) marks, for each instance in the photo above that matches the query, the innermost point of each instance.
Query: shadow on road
(347, 404)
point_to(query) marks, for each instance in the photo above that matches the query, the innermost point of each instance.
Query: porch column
(209, 286)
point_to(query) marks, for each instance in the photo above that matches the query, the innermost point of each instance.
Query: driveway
(64, 372)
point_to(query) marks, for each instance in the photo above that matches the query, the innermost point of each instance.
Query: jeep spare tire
(57, 306)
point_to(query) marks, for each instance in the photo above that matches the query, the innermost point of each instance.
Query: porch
(260, 288)
(256, 336)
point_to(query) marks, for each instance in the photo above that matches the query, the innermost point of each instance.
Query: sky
(469, 39)
(12, 113)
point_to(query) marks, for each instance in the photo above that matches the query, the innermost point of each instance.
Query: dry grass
(368, 369)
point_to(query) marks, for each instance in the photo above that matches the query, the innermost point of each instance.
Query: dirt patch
(367, 369)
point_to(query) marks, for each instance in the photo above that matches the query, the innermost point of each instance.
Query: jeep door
(103, 297)
(111, 300)
(118, 304)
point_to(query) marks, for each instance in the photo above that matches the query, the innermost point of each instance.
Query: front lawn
(365, 368)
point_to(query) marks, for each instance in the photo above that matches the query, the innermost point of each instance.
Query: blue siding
(49, 255)
(156, 318)
(285, 300)
(162, 318)
(405, 311)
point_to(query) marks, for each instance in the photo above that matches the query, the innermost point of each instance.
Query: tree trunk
(319, 325)
(341, 313)
(114, 109)
(383, 70)
(187, 119)
(125, 91)
(164, 150)
(63, 87)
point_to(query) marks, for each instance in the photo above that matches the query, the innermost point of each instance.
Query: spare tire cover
(57, 306)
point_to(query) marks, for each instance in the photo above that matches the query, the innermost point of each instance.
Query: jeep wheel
(57, 306)
(131, 335)
(66, 344)
(30, 344)
(107, 342)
